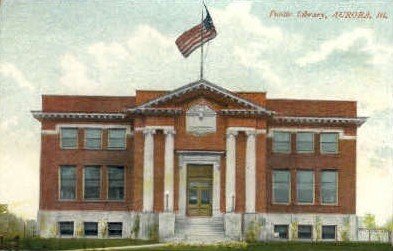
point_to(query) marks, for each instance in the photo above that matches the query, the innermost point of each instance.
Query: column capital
(251, 133)
(232, 133)
(169, 131)
(149, 131)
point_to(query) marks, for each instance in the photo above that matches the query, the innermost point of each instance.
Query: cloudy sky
(116, 47)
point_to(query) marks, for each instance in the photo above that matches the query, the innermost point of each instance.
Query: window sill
(305, 153)
(116, 149)
(332, 205)
(280, 204)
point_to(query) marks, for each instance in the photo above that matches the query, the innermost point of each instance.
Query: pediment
(200, 88)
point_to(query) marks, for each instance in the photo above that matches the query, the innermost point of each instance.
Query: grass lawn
(288, 246)
(62, 244)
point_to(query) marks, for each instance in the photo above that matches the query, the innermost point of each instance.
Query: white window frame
(60, 184)
(335, 232)
(320, 190)
(83, 181)
(85, 138)
(84, 229)
(289, 188)
(124, 183)
(122, 229)
(290, 142)
(61, 138)
(313, 188)
(312, 232)
(125, 139)
(313, 143)
(320, 143)
(66, 235)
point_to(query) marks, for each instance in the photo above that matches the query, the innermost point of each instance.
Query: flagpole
(201, 73)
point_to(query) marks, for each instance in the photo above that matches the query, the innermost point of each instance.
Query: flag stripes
(196, 36)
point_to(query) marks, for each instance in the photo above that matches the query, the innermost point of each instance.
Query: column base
(233, 225)
(166, 225)
(148, 226)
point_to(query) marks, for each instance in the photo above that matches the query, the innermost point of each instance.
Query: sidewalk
(122, 247)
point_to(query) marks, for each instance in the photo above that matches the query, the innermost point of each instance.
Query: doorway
(199, 190)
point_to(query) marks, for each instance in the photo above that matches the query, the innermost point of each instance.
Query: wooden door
(199, 190)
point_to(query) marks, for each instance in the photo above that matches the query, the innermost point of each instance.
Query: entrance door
(199, 190)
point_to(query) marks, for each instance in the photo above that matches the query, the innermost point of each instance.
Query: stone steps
(199, 229)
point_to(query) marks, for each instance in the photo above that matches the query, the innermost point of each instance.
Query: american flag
(196, 36)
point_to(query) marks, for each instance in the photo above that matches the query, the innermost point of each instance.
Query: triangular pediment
(205, 87)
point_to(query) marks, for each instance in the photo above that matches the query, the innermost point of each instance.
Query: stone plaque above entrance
(200, 120)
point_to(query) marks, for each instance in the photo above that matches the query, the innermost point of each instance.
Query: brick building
(198, 160)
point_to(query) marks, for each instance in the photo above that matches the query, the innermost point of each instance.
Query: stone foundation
(162, 226)
(166, 226)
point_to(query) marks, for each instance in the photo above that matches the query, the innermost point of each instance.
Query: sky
(116, 47)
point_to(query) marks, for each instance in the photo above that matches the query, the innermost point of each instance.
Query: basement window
(329, 232)
(66, 228)
(115, 229)
(90, 228)
(282, 231)
(304, 232)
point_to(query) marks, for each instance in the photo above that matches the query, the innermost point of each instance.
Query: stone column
(182, 187)
(250, 171)
(169, 169)
(216, 189)
(230, 177)
(148, 170)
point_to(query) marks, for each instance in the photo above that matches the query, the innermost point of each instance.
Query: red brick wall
(312, 108)
(52, 157)
(132, 158)
(344, 163)
(53, 103)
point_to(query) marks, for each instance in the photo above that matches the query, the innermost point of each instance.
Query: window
(305, 186)
(92, 182)
(116, 183)
(281, 142)
(282, 231)
(117, 138)
(281, 185)
(329, 142)
(90, 228)
(93, 138)
(69, 138)
(115, 229)
(305, 142)
(329, 187)
(304, 232)
(329, 232)
(67, 182)
(66, 228)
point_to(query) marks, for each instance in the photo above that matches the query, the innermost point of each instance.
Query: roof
(200, 84)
